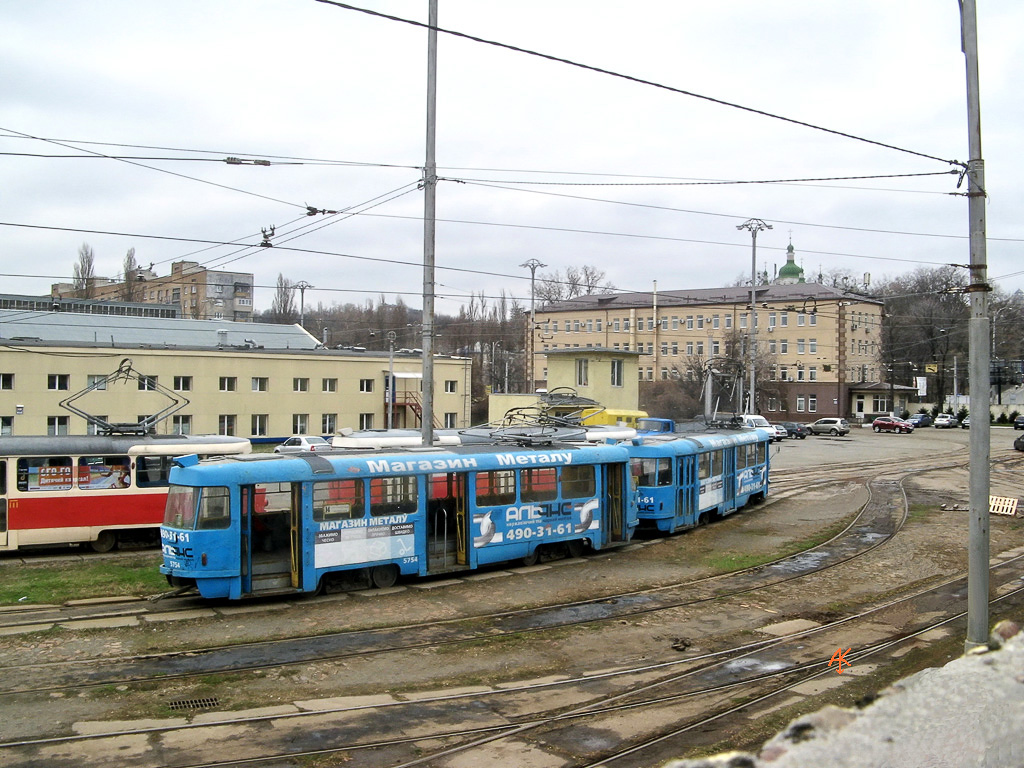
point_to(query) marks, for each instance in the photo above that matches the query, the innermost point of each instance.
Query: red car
(891, 424)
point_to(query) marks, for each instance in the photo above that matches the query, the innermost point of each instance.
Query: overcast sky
(538, 159)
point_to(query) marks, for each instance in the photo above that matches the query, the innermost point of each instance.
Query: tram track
(873, 526)
(658, 702)
(879, 519)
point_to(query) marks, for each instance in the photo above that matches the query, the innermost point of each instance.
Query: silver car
(301, 443)
(829, 426)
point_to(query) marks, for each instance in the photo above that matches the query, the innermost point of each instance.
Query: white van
(752, 421)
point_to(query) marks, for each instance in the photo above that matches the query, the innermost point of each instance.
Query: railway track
(602, 702)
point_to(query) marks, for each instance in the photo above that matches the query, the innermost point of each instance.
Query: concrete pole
(531, 382)
(429, 225)
(978, 335)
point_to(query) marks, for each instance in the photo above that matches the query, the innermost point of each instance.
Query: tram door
(685, 512)
(729, 480)
(614, 501)
(447, 527)
(3, 503)
(270, 537)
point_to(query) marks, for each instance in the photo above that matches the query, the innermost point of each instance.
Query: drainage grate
(194, 703)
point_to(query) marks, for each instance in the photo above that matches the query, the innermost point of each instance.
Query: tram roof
(34, 445)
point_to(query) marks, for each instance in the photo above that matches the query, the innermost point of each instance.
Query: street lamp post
(532, 265)
(302, 285)
(755, 226)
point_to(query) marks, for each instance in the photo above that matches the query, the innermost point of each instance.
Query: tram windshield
(202, 508)
(180, 511)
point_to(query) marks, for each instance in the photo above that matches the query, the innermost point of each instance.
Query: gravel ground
(932, 547)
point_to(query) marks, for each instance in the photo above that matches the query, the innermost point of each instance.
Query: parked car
(966, 423)
(891, 424)
(923, 420)
(781, 433)
(300, 443)
(829, 426)
(1018, 423)
(1018, 444)
(796, 430)
(946, 421)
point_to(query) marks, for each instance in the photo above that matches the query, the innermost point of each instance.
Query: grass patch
(60, 583)
(918, 512)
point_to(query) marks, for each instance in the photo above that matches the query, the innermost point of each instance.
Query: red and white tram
(94, 489)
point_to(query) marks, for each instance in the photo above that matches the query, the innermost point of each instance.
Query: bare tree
(85, 272)
(283, 308)
(132, 288)
(577, 281)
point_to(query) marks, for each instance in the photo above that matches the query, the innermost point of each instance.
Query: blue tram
(272, 524)
(691, 479)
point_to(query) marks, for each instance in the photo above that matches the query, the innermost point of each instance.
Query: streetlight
(755, 226)
(302, 285)
(533, 265)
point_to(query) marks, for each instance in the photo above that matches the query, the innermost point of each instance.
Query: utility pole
(533, 265)
(978, 335)
(429, 226)
(755, 226)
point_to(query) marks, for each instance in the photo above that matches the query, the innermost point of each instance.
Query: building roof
(119, 331)
(795, 294)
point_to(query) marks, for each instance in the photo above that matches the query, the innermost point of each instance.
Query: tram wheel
(575, 548)
(384, 576)
(533, 558)
(104, 542)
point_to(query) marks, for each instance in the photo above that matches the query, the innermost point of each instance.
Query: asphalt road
(863, 444)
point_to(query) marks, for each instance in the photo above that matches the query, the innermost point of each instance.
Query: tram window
(45, 473)
(180, 510)
(741, 456)
(704, 466)
(578, 481)
(495, 487)
(273, 498)
(3, 478)
(152, 471)
(214, 509)
(652, 472)
(762, 453)
(95, 472)
(716, 462)
(393, 496)
(539, 484)
(338, 500)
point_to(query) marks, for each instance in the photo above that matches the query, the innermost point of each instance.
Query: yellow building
(251, 380)
(814, 344)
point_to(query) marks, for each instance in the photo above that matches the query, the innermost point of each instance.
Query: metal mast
(755, 226)
(533, 265)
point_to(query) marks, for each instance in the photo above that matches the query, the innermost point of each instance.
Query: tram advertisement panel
(350, 542)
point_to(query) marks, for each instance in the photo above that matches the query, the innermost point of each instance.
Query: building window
(783, 346)
(329, 385)
(300, 385)
(6, 425)
(6, 381)
(582, 372)
(60, 381)
(182, 383)
(773, 404)
(800, 346)
(771, 346)
(689, 322)
(675, 348)
(182, 425)
(625, 323)
(449, 420)
(784, 319)
(812, 373)
(328, 423)
(650, 374)
(57, 425)
(96, 381)
(450, 386)
(728, 322)
(366, 421)
(814, 319)
(799, 373)
(615, 325)
(783, 373)
(664, 374)
(689, 348)
(260, 383)
(226, 424)
(771, 319)
(147, 383)
(91, 428)
(664, 348)
(800, 404)
(812, 403)
(616, 373)
(700, 322)
(366, 385)
(812, 346)
(259, 424)
(700, 348)
(800, 318)
(300, 423)
(228, 383)
(714, 322)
